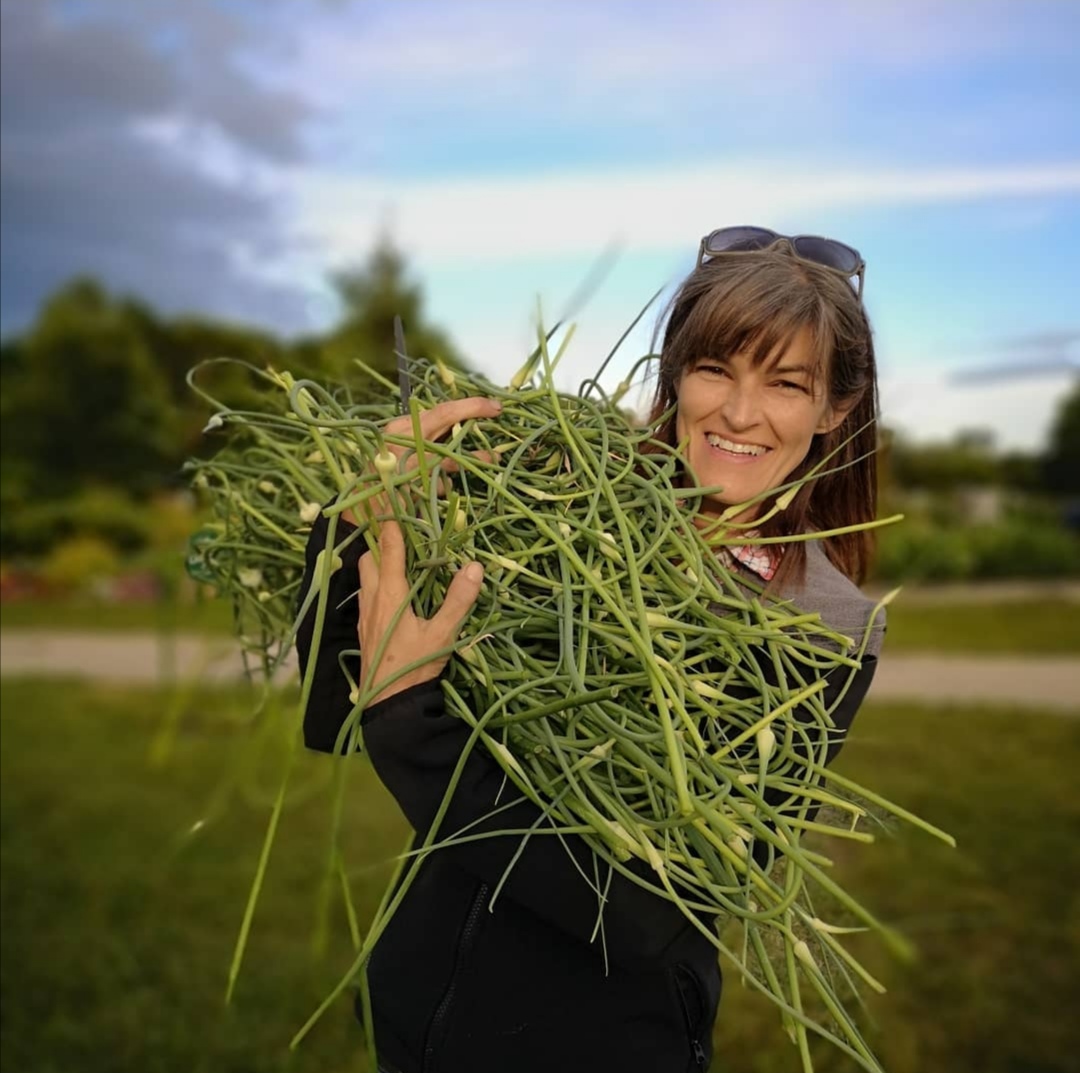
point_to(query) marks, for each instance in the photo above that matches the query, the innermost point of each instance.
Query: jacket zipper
(696, 1050)
(443, 1009)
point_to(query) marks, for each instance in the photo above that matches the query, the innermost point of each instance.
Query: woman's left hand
(434, 425)
(384, 589)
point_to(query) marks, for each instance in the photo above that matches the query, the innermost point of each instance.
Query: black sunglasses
(822, 251)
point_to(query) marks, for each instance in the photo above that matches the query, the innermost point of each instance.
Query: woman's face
(748, 427)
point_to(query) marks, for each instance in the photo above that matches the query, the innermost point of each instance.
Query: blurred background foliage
(97, 419)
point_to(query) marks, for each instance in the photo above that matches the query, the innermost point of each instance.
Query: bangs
(757, 313)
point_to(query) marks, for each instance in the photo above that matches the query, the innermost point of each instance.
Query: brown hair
(757, 302)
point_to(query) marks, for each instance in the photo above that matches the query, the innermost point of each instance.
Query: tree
(96, 414)
(371, 297)
(1061, 464)
(182, 343)
(943, 467)
(86, 400)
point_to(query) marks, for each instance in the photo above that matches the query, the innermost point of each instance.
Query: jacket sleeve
(328, 703)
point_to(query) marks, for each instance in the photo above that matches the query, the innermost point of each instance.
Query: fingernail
(474, 572)
(497, 405)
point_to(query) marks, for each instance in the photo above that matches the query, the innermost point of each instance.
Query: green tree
(85, 400)
(1061, 464)
(371, 296)
(182, 343)
(96, 414)
(942, 467)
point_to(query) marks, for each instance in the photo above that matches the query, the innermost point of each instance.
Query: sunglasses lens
(732, 239)
(828, 252)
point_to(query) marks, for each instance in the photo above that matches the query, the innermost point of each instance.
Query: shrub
(1014, 548)
(1021, 549)
(921, 552)
(77, 564)
(109, 514)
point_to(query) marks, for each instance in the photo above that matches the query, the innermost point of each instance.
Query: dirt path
(1051, 682)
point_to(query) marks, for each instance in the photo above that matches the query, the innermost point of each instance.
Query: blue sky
(223, 156)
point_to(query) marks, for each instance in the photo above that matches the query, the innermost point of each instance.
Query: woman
(768, 355)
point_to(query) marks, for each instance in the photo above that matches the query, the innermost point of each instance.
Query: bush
(920, 552)
(1015, 548)
(109, 514)
(77, 564)
(1019, 549)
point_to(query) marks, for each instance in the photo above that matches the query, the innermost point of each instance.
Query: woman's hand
(434, 424)
(384, 587)
(384, 590)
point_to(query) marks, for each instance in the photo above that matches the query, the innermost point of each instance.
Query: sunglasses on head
(826, 252)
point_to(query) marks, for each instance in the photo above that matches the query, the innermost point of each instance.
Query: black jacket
(461, 986)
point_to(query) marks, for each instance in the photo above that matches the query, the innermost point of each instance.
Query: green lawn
(1021, 626)
(118, 929)
(1044, 627)
(208, 616)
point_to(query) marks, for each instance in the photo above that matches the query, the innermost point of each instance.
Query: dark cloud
(1036, 354)
(83, 190)
(59, 80)
(1056, 341)
(1033, 355)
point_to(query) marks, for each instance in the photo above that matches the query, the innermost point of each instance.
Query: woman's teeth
(735, 448)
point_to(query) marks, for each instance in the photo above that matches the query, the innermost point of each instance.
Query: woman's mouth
(732, 449)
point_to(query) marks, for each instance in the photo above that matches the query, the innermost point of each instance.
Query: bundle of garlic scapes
(624, 678)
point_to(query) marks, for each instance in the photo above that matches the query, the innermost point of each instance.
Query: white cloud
(1019, 412)
(579, 213)
(631, 45)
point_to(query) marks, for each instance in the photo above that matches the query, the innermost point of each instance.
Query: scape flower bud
(802, 952)
(249, 577)
(766, 742)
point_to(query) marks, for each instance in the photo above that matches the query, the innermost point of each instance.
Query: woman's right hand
(391, 634)
(434, 425)
(388, 631)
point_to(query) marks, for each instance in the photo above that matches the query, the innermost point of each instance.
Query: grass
(1037, 627)
(207, 616)
(996, 921)
(1043, 627)
(118, 925)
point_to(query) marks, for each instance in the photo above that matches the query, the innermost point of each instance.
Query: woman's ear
(835, 416)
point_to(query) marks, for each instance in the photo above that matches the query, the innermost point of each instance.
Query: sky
(225, 157)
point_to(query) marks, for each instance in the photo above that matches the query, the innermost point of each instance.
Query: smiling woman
(500, 940)
(767, 373)
(747, 425)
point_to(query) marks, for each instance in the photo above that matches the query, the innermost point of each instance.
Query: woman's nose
(740, 406)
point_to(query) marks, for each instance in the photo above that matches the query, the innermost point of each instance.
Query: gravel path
(1050, 682)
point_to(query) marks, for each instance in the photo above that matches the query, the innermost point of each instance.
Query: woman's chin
(712, 507)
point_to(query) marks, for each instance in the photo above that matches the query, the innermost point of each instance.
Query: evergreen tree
(371, 297)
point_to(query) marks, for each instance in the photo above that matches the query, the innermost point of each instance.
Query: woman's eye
(712, 370)
(790, 385)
